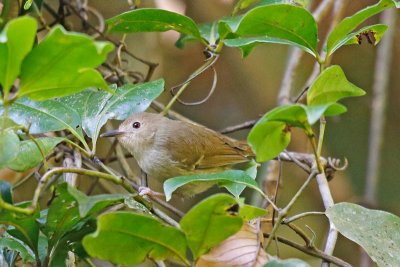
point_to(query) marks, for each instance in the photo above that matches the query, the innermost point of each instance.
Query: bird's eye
(136, 125)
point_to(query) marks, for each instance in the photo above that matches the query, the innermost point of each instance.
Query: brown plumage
(166, 148)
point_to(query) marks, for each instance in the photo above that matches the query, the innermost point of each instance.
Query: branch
(283, 212)
(313, 252)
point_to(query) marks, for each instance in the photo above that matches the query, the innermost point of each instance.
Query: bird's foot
(146, 191)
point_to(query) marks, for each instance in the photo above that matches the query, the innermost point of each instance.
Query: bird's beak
(112, 133)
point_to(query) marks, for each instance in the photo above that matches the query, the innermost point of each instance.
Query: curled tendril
(335, 164)
(211, 58)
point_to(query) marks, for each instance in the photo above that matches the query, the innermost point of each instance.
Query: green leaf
(228, 25)
(247, 44)
(268, 139)
(378, 232)
(286, 263)
(45, 116)
(72, 241)
(337, 36)
(91, 204)
(271, 135)
(235, 188)
(128, 239)
(26, 228)
(12, 244)
(5, 191)
(248, 212)
(287, 22)
(29, 155)
(8, 123)
(152, 20)
(331, 86)
(220, 178)
(335, 109)
(210, 222)
(71, 206)
(208, 31)
(9, 146)
(16, 40)
(43, 72)
(95, 107)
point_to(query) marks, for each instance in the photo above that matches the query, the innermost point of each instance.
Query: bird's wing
(198, 148)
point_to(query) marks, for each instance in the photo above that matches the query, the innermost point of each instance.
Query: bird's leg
(144, 179)
(144, 189)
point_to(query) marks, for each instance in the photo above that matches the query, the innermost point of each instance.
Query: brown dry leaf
(244, 249)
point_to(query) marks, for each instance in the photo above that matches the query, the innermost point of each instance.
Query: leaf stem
(322, 127)
(78, 147)
(7, 206)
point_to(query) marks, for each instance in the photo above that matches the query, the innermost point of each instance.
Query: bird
(166, 148)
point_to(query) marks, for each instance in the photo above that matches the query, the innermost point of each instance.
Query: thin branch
(240, 126)
(302, 215)
(313, 252)
(283, 212)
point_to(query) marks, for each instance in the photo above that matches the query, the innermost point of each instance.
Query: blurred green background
(247, 88)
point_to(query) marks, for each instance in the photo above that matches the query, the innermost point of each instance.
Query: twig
(301, 215)
(283, 212)
(313, 252)
(296, 229)
(240, 126)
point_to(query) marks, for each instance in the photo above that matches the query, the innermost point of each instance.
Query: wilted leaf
(152, 20)
(243, 249)
(225, 179)
(128, 238)
(335, 38)
(378, 232)
(16, 41)
(43, 72)
(29, 155)
(210, 222)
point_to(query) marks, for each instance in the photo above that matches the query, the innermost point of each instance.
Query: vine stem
(283, 212)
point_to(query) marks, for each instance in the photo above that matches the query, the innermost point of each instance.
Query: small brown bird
(166, 148)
